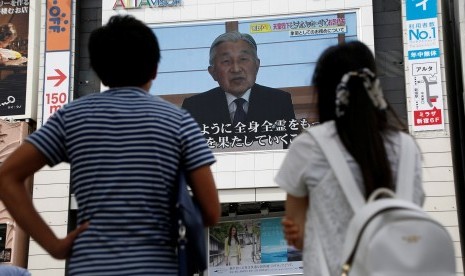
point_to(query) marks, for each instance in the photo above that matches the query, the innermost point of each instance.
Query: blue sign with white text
(421, 9)
(424, 53)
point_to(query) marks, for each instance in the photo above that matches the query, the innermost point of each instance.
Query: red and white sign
(57, 57)
(427, 117)
(56, 88)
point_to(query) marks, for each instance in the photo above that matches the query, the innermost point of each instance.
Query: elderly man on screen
(239, 106)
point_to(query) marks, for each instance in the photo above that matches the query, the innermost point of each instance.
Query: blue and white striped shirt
(124, 147)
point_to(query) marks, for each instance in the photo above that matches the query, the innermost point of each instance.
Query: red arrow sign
(61, 77)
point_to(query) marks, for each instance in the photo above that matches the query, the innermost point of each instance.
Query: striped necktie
(239, 115)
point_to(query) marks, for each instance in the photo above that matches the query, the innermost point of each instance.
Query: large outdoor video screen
(288, 48)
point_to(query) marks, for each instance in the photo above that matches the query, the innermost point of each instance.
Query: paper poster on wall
(288, 48)
(251, 247)
(14, 32)
(424, 65)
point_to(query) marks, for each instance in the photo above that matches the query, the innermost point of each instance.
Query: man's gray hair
(232, 37)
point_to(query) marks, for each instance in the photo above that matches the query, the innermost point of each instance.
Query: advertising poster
(287, 47)
(4, 251)
(251, 247)
(57, 57)
(14, 31)
(424, 65)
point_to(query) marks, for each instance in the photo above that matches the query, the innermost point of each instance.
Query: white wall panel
(242, 9)
(446, 218)
(51, 190)
(52, 176)
(270, 194)
(437, 144)
(457, 250)
(245, 179)
(245, 162)
(279, 7)
(264, 161)
(35, 249)
(55, 218)
(313, 5)
(335, 5)
(264, 178)
(459, 266)
(51, 204)
(225, 180)
(355, 3)
(48, 272)
(39, 260)
(437, 159)
(207, 11)
(189, 12)
(225, 163)
(445, 188)
(454, 232)
(237, 195)
(297, 6)
(440, 203)
(438, 174)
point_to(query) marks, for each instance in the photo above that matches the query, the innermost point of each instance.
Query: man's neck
(146, 87)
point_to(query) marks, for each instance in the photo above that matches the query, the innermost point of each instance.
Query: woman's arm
(294, 221)
(204, 190)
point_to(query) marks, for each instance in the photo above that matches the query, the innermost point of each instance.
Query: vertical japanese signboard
(424, 65)
(57, 56)
(14, 33)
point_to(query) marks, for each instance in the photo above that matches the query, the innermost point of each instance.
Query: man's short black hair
(124, 52)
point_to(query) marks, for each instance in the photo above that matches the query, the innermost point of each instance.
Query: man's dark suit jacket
(265, 104)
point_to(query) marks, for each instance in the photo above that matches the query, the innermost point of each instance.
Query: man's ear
(212, 72)
(258, 65)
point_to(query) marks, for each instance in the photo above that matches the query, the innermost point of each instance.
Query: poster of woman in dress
(251, 247)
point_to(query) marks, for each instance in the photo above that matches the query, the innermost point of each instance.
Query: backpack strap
(406, 169)
(333, 154)
(319, 247)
